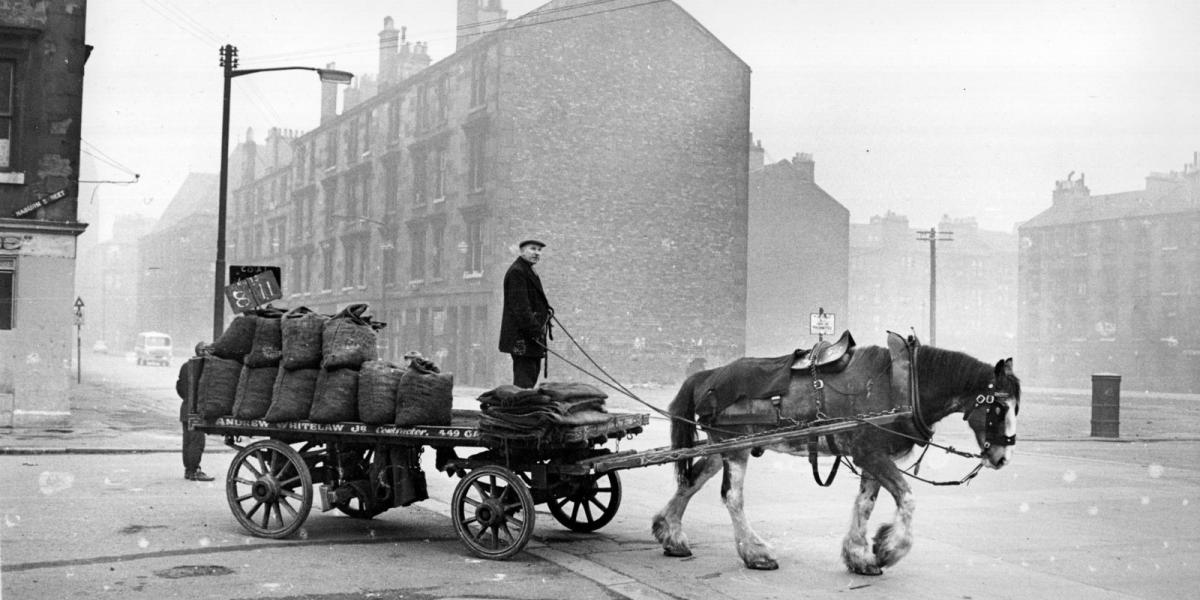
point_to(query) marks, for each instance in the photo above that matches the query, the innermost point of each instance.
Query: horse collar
(923, 428)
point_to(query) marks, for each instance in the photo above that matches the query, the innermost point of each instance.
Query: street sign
(251, 292)
(240, 272)
(821, 323)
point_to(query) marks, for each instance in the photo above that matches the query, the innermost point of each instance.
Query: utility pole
(933, 236)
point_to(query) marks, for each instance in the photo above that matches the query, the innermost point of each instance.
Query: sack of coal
(424, 398)
(292, 397)
(237, 340)
(348, 339)
(267, 348)
(336, 398)
(218, 386)
(255, 388)
(301, 330)
(378, 381)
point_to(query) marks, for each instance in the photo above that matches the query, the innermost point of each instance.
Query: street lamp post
(229, 67)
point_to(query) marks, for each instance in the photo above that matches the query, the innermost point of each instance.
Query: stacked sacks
(513, 413)
(256, 386)
(347, 342)
(222, 370)
(378, 385)
(425, 396)
(300, 332)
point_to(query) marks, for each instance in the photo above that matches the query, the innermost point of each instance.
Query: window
(394, 121)
(417, 254)
(419, 159)
(438, 192)
(474, 260)
(479, 80)
(351, 135)
(442, 99)
(8, 291)
(327, 267)
(391, 187)
(475, 159)
(354, 273)
(7, 71)
(438, 248)
(389, 257)
(331, 148)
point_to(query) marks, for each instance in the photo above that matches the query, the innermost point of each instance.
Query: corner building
(617, 134)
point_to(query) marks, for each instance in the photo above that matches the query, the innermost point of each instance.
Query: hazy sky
(925, 108)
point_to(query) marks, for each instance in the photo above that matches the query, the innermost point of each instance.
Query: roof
(1163, 198)
(197, 195)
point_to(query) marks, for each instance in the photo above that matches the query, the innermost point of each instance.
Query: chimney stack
(328, 98)
(389, 43)
(803, 162)
(757, 156)
(478, 17)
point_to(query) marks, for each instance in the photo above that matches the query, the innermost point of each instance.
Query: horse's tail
(683, 427)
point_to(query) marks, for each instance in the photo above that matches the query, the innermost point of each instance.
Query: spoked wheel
(589, 501)
(492, 511)
(269, 489)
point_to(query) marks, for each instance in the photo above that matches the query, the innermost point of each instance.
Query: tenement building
(799, 256)
(615, 134)
(42, 53)
(976, 287)
(1111, 284)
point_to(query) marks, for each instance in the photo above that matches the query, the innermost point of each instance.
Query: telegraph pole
(933, 236)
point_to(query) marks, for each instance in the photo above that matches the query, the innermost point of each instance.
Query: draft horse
(936, 383)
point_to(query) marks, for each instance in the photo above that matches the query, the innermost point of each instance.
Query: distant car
(153, 347)
(100, 347)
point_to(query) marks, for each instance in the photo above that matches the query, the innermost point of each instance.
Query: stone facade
(617, 136)
(42, 54)
(1111, 284)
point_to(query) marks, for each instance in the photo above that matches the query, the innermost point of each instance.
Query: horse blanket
(751, 391)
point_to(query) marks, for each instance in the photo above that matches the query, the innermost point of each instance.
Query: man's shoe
(199, 475)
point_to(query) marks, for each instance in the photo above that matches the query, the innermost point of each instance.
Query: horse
(944, 382)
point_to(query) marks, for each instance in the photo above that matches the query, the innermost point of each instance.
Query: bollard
(1106, 405)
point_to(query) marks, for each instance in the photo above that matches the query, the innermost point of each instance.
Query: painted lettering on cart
(361, 428)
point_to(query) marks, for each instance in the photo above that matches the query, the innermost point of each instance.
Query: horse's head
(992, 415)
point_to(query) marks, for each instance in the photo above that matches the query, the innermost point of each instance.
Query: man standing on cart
(525, 322)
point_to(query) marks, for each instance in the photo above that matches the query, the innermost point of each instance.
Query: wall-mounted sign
(248, 293)
(40, 202)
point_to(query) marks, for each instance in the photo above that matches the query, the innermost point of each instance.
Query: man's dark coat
(526, 312)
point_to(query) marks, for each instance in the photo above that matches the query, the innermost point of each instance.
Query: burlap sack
(424, 398)
(267, 348)
(235, 343)
(293, 395)
(301, 332)
(336, 399)
(255, 388)
(378, 381)
(218, 386)
(348, 339)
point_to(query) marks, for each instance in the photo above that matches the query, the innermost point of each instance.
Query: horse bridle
(995, 406)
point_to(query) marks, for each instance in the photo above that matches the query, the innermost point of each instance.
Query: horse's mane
(955, 373)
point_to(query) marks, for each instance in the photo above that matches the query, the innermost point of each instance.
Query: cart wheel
(269, 489)
(492, 511)
(589, 502)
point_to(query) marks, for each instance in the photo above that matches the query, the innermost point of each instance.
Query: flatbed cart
(363, 470)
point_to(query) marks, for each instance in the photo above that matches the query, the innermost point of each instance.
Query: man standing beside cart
(525, 321)
(193, 441)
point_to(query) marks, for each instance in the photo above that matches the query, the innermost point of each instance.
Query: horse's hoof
(677, 552)
(763, 564)
(870, 570)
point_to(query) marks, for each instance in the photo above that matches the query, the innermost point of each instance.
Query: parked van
(153, 347)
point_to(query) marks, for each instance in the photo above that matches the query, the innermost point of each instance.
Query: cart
(363, 470)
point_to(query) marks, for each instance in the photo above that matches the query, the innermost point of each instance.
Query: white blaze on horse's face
(995, 434)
